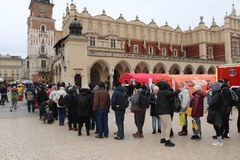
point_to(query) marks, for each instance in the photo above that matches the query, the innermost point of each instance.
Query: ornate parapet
(154, 57)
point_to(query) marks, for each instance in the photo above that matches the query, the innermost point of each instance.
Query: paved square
(24, 137)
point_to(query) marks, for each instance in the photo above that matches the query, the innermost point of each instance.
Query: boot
(168, 143)
(171, 133)
(88, 133)
(79, 131)
(154, 132)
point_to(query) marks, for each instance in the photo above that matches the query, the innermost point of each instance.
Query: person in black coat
(41, 97)
(155, 117)
(215, 108)
(71, 104)
(225, 116)
(238, 107)
(164, 109)
(85, 98)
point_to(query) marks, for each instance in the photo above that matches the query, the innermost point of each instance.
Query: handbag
(182, 119)
(194, 126)
(211, 117)
(189, 111)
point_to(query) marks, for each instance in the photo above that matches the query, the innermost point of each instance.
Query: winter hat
(197, 88)
(216, 86)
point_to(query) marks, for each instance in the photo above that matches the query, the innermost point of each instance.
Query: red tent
(138, 77)
(189, 80)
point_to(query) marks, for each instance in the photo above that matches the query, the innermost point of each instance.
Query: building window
(113, 43)
(92, 41)
(163, 51)
(135, 48)
(42, 49)
(43, 28)
(43, 63)
(27, 64)
(175, 53)
(210, 52)
(150, 50)
(43, 15)
(235, 47)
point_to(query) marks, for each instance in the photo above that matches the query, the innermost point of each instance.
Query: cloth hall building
(100, 48)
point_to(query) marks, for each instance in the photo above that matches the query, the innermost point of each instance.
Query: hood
(61, 92)
(199, 92)
(71, 91)
(85, 91)
(163, 85)
(120, 89)
(216, 86)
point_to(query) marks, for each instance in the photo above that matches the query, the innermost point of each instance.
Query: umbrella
(1, 79)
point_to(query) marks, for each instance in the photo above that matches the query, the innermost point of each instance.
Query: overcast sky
(14, 14)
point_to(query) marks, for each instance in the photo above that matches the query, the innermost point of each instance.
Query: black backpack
(61, 101)
(143, 100)
(123, 100)
(177, 104)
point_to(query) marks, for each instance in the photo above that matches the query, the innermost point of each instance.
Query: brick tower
(41, 39)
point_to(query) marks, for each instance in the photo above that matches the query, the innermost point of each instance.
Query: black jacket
(42, 96)
(153, 100)
(164, 99)
(88, 96)
(238, 94)
(71, 101)
(216, 101)
(115, 100)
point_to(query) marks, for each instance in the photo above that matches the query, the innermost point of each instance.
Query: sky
(185, 13)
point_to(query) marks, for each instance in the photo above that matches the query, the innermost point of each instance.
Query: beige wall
(11, 68)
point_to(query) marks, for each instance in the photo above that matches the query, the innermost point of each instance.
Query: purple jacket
(196, 103)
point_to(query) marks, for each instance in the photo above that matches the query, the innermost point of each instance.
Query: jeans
(62, 114)
(198, 121)
(14, 105)
(29, 105)
(102, 122)
(154, 121)
(120, 122)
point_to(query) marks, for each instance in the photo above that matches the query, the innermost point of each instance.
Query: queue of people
(91, 104)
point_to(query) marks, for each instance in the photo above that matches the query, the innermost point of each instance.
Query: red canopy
(138, 77)
(189, 80)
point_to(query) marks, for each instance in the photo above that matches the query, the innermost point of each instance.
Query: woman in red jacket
(196, 103)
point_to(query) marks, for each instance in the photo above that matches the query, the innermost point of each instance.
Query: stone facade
(10, 67)
(108, 48)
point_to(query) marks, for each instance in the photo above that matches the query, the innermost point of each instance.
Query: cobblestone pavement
(24, 137)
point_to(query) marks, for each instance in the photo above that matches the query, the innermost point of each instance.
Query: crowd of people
(91, 104)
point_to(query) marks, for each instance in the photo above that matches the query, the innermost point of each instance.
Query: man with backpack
(30, 96)
(139, 104)
(119, 103)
